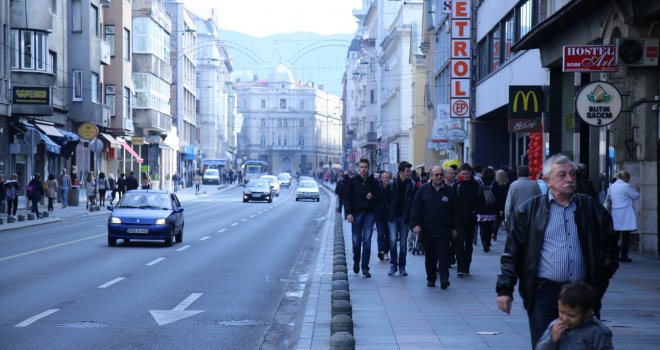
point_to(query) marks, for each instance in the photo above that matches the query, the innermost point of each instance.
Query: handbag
(608, 201)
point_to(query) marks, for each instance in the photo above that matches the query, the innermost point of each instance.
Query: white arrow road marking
(183, 248)
(36, 318)
(164, 317)
(222, 230)
(154, 262)
(109, 283)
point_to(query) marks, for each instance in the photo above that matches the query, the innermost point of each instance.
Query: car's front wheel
(170, 237)
(179, 236)
(112, 242)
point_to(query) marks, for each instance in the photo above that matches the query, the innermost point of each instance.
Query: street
(235, 281)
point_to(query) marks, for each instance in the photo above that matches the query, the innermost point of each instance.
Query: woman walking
(90, 189)
(622, 195)
(145, 181)
(112, 186)
(12, 189)
(53, 189)
(103, 188)
(500, 190)
(487, 215)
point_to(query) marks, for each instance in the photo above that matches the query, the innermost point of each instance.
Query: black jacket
(408, 197)
(340, 187)
(434, 211)
(355, 195)
(469, 199)
(522, 252)
(37, 188)
(131, 183)
(380, 213)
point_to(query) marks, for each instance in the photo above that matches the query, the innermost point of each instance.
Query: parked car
(274, 184)
(284, 179)
(146, 215)
(307, 190)
(304, 178)
(257, 190)
(211, 176)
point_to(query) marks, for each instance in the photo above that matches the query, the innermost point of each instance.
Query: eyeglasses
(438, 174)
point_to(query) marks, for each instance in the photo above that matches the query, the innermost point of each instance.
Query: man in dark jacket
(433, 217)
(555, 239)
(34, 192)
(360, 198)
(131, 182)
(381, 216)
(339, 190)
(402, 191)
(584, 185)
(470, 199)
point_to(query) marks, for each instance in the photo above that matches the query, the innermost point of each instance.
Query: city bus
(253, 169)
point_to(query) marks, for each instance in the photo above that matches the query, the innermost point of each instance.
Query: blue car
(146, 215)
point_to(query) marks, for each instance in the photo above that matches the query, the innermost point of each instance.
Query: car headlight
(161, 222)
(114, 220)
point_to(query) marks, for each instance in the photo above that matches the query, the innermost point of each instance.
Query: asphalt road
(236, 281)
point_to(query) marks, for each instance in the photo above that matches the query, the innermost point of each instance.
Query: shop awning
(111, 140)
(51, 146)
(68, 141)
(49, 130)
(131, 151)
(189, 152)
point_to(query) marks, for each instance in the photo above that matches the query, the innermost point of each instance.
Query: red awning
(131, 151)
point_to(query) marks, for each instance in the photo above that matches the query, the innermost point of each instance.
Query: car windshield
(145, 200)
(307, 184)
(269, 178)
(257, 184)
(283, 177)
(211, 172)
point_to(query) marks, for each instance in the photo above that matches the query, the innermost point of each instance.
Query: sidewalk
(402, 313)
(184, 195)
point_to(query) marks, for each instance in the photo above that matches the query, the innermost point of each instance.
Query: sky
(280, 16)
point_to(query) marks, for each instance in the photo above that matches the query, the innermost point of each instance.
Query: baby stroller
(415, 244)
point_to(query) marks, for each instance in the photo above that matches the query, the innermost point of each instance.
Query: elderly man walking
(555, 239)
(519, 192)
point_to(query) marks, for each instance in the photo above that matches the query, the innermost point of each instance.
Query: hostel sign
(598, 103)
(460, 51)
(589, 58)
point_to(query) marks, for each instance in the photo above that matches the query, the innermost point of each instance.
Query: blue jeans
(398, 229)
(543, 309)
(362, 228)
(383, 236)
(65, 198)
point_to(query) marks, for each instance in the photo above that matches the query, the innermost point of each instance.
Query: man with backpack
(11, 194)
(34, 192)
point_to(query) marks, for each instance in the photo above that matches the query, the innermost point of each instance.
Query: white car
(274, 184)
(284, 179)
(307, 190)
(211, 176)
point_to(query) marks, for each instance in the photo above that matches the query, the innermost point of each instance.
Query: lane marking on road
(51, 247)
(243, 220)
(222, 230)
(183, 248)
(155, 262)
(164, 317)
(234, 224)
(109, 283)
(253, 215)
(204, 238)
(260, 212)
(36, 318)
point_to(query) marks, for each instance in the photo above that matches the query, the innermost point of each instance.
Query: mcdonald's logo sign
(525, 101)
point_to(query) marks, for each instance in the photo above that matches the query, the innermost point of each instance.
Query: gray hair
(555, 159)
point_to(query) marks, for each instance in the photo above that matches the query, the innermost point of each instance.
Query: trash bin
(74, 196)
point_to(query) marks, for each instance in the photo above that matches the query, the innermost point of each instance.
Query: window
(508, 36)
(77, 85)
(110, 98)
(263, 122)
(525, 15)
(126, 46)
(76, 16)
(482, 58)
(282, 103)
(262, 141)
(284, 140)
(263, 104)
(372, 96)
(494, 48)
(151, 92)
(94, 20)
(52, 63)
(53, 7)
(301, 140)
(150, 38)
(302, 105)
(279, 122)
(110, 38)
(95, 88)
(285, 123)
(126, 113)
(302, 122)
(14, 48)
(29, 50)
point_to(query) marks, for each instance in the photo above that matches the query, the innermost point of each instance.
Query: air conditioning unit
(637, 52)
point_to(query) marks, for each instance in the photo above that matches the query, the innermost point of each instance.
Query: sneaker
(430, 284)
(402, 271)
(381, 255)
(393, 270)
(444, 284)
(366, 274)
(387, 256)
(356, 268)
(460, 274)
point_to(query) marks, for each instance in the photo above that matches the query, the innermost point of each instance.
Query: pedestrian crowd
(561, 249)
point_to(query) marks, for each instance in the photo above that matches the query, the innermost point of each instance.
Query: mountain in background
(310, 57)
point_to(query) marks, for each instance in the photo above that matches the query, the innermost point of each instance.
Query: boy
(576, 327)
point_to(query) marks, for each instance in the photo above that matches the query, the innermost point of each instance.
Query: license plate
(256, 195)
(137, 230)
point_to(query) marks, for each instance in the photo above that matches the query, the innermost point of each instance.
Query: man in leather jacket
(470, 200)
(402, 191)
(555, 239)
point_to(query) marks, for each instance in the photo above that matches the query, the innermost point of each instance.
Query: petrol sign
(460, 51)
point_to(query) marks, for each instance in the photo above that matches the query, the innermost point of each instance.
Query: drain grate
(242, 323)
(80, 324)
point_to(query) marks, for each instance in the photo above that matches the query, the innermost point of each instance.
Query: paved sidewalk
(402, 313)
(184, 195)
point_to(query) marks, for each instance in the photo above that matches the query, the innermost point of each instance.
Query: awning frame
(131, 151)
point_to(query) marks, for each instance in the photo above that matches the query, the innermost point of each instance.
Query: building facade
(293, 127)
